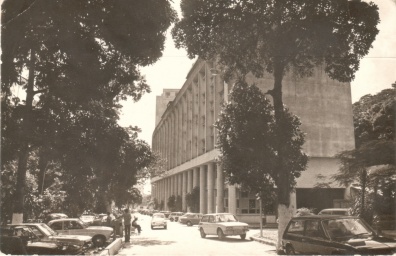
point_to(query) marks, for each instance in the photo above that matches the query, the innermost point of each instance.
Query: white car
(336, 211)
(74, 226)
(222, 225)
(88, 218)
(158, 220)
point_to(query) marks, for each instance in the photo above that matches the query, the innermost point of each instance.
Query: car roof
(64, 219)
(336, 209)
(307, 217)
(214, 214)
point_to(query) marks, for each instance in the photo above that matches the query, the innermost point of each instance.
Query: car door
(294, 235)
(315, 240)
(211, 225)
(75, 228)
(204, 224)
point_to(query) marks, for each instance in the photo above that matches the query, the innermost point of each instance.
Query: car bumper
(157, 225)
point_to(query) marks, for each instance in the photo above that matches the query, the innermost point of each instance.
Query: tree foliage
(372, 164)
(192, 199)
(247, 141)
(279, 36)
(81, 58)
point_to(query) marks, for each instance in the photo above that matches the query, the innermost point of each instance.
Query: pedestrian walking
(127, 224)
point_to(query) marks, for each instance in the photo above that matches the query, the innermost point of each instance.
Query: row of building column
(208, 177)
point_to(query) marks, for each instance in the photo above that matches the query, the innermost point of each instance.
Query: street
(180, 239)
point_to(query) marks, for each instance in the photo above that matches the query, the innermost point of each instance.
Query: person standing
(127, 224)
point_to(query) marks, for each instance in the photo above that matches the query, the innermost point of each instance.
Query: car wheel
(152, 227)
(243, 236)
(165, 227)
(290, 250)
(203, 235)
(98, 241)
(220, 234)
(189, 223)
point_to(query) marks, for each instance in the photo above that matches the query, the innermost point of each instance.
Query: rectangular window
(252, 203)
(245, 211)
(226, 202)
(244, 194)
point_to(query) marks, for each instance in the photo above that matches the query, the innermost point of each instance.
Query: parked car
(222, 225)
(100, 220)
(174, 216)
(74, 226)
(334, 234)
(190, 218)
(158, 220)
(166, 213)
(54, 216)
(88, 218)
(76, 244)
(335, 211)
(22, 240)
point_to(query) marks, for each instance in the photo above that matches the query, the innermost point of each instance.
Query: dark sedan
(190, 218)
(329, 234)
(22, 240)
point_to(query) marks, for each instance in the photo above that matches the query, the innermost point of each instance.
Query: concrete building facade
(185, 137)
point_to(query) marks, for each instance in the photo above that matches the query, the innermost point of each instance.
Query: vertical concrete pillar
(210, 185)
(195, 177)
(189, 180)
(180, 184)
(202, 189)
(220, 189)
(172, 185)
(184, 190)
(232, 199)
(165, 193)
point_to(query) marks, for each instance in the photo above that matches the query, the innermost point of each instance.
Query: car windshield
(82, 223)
(47, 230)
(346, 228)
(158, 216)
(226, 218)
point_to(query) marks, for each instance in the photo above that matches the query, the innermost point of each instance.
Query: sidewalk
(270, 236)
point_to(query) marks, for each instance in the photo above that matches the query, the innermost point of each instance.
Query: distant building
(185, 137)
(162, 102)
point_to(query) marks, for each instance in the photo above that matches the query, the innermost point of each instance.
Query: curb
(263, 241)
(112, 248)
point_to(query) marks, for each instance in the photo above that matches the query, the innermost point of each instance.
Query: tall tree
(75, 52)
(276, 37)
(372, 163)
(247, 141)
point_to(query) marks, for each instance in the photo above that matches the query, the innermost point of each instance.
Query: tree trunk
(17, 216)
(43, 163)
(363, 181)
(286, 210)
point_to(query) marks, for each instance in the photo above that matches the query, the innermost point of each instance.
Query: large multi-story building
(185, 137)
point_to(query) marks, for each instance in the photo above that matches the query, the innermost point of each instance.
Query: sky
(377, 71)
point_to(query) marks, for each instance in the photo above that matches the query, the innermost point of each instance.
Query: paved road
(182, 240)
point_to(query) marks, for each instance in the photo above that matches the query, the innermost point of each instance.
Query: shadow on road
(147, 242)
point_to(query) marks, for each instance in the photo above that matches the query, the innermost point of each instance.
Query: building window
(244, 194)
(226, 202)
